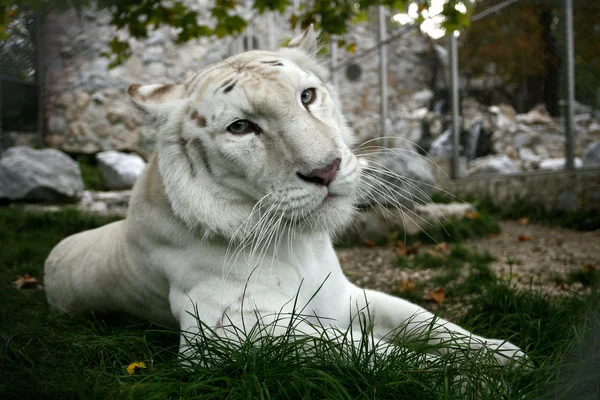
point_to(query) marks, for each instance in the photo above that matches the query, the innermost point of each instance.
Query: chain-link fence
(512, 83)
(20, 103)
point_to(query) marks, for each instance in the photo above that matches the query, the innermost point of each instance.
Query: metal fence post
(249, 37)
(455, 106)
(1, 119)
(383, 104)
(270, 32)
(333, 62)
(296, 5)
(40, 78)
(570, 81)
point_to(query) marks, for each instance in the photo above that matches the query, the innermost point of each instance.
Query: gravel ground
(541, 256)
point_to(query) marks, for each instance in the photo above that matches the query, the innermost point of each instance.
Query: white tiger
(231, 220)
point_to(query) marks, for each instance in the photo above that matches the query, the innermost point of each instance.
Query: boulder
(529, 161)
(591, 156)
(398, 177)
(47, 175)
(493, 164)
(435, 213)
(119, 170)
(441, 147)
(381, 222)
(526, 154)
(422, 97)
(558, 164)
(538, 115)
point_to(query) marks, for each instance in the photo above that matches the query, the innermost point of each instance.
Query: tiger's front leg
(392, 315)
(199, 325)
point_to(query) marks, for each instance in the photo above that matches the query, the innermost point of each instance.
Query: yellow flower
(135, 365)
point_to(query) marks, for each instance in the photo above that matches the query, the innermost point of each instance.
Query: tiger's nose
(322, 176)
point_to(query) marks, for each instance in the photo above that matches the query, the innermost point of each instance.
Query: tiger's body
(231, 220)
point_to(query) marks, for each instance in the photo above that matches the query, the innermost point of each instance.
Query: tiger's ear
(156, 99)
(307, 41)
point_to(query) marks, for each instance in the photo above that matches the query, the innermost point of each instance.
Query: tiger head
(257, 136)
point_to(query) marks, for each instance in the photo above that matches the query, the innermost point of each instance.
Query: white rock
(98, 206)
(523, 139)
(119, 198)
(526, 154)
(153, 54)
(583, 119)
(582, 108)
(156, 38)
(47, 175)
(435, 213)
(419, 113)
(594, 128)
(156, 69)
(57, 124)
(119, 170)
(441, 147)
(557, 164)
(493, 164)
(538, 115)
(398, 177)
(422, 96)
(87, 198)
(591, 156)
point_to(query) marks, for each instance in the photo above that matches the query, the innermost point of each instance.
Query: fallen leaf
(402, 249)
(407, 286)
(523, 221)
(437, 296)
(472, 215)
(342, 259)
(26, 282)
(435, 253)
(524, 238)
(494, 235)
(369, 243)
(414, 249)
(444, 247)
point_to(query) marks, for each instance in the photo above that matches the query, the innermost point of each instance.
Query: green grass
(90, 173)
(587, 277)
(456, 231)
(48, 355)
(449, 230)
(448, 268)
(559, 334)
(580, 220)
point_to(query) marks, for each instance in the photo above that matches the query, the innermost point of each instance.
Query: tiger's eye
(308, 96)
(240, 126)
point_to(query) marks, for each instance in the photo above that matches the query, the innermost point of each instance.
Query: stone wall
(409, 74)
(568, 191)
(87, 109)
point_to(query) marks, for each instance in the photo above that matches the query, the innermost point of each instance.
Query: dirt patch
(530, 255)
(541, 255)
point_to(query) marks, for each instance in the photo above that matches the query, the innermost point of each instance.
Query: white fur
(228, 228)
